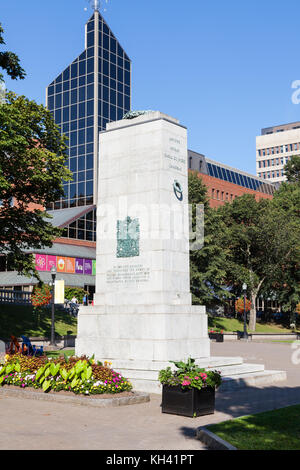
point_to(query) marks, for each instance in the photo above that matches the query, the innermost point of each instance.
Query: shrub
(41, 295)
(77, 292)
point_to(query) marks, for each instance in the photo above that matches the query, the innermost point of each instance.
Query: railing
(15, 297)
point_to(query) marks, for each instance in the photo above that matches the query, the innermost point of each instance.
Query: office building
(225, 183)
(274, 148)
(92, 91)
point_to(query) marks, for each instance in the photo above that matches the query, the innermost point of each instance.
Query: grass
(22, 320)
(271, 430)
(233, 324)
(55, 354)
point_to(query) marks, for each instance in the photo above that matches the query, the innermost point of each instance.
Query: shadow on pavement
(251, 400)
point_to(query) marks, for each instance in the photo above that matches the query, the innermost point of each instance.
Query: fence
(15, 297)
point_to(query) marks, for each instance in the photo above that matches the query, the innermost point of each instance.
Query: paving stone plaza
(143, 426)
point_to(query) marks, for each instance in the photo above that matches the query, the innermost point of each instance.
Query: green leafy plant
(188, 375)
(77, 375)
(76, 292)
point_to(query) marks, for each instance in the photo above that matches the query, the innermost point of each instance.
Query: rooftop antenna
(96, 4)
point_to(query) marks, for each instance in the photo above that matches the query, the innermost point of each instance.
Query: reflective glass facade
(235, 177)
(92, 91)
(83, 228)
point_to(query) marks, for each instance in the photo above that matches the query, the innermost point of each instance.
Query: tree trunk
(253, 294)
(252, 321)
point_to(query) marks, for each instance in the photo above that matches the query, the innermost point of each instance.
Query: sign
(51, 261)
(61, 264)
(59, 292)
(70, 265)
(79, 266)
(41, 262)
(65, 264)
(88, 266)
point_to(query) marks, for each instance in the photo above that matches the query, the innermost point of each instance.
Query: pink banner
(51, 261)
(41, 262)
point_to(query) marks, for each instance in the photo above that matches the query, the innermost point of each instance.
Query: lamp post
(53, 275)
(245, 335)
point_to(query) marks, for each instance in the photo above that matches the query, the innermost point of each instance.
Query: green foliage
(189, 375)
(207, 264)
(32, 171)
(292, 169)
(77, 292)
(77, 375)
(186, 367)
(9, 62)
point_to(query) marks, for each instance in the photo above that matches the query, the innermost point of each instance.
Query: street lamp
(245, 335)
(53, 275)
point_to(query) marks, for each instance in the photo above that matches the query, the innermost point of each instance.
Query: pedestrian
(85, 299)
(74, 300)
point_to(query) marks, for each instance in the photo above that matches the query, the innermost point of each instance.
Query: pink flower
(186, 382)
(197, 378)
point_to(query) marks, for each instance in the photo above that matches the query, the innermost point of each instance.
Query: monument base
(141, 340)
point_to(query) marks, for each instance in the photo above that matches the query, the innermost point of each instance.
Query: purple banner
(88, 266)
(79, 266)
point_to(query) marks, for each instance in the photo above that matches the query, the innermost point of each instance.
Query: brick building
(225, 183)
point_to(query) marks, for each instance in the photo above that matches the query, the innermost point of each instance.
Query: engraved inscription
(132, 273)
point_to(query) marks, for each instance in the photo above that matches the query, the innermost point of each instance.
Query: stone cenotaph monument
(142, 316)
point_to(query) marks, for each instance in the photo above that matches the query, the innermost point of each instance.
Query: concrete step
(240, 369)
(211, 362)
(228, 370)
(235, 373)
(252, 379)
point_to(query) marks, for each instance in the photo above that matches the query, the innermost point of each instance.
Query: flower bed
(81, 376)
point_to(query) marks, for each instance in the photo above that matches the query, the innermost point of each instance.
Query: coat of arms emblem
(128, 238)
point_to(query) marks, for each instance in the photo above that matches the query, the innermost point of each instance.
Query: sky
(225, 69)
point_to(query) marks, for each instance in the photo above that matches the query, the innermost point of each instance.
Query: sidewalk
(28, 424)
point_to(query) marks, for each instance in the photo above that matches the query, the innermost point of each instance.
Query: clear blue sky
(223, 68)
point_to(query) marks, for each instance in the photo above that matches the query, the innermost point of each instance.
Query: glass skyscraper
(92, 91)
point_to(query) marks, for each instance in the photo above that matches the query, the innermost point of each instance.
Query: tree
(207, 264)
(292, 169)
(261, 242)
(32, 171)
(10, 62)
(287, 199)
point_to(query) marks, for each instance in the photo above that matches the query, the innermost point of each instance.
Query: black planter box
(188, 402)
(219, 337)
